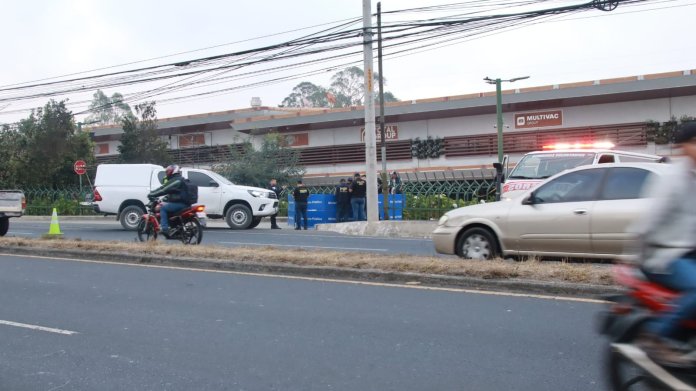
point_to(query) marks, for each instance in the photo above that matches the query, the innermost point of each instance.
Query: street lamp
(499, 109)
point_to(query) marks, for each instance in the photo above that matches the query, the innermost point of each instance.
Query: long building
(453, 133)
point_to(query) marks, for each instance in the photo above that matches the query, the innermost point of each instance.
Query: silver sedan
(580, 213)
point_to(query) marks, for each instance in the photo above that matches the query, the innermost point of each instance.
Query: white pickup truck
(12, 204)
(121, 190)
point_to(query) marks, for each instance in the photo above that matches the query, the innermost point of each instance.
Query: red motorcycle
(629, 368)
(184, 225)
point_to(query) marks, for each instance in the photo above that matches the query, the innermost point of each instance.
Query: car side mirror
(530, 199)
(213, 184)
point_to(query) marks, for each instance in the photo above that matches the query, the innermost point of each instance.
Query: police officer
(273, 186)
(358, 191)
(342, 201)
(301, 196)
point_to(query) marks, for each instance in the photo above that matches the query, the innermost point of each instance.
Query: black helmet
(172, 170)
(685, 132)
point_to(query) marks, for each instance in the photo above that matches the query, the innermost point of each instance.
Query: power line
(180, 53)
(442, 30)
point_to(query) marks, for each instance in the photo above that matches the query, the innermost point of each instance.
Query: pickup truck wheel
(255, 222)
(4, 225)
(239, 217)
(130, 216)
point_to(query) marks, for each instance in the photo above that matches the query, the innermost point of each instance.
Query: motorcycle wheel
(146, 230)
(624, 375)
(191, 232)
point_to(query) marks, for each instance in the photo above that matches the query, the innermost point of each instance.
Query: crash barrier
(322, 209)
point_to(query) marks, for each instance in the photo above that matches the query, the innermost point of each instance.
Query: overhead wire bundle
(335, 46)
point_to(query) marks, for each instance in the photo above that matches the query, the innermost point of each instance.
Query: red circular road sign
(80, 167)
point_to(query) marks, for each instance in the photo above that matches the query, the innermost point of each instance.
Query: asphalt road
(218, 234)
(146, 328)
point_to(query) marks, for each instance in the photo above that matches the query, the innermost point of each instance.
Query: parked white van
(121, 190)
(535, 167)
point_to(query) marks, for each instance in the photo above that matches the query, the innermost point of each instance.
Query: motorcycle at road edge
(629, 368)
(184, 225)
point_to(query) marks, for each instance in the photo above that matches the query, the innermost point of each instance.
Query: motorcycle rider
(668, 236)
(177, 196)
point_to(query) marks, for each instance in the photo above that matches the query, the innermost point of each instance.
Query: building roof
(266, 119)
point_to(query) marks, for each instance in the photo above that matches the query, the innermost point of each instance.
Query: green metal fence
(67, 201)
(426, 197)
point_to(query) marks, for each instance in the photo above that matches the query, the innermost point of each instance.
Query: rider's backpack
(192, 192)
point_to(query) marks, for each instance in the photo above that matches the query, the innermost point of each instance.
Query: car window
(606, 159)
(638, 159)
(572, 187)
(544, 165)
(624, 183)
(199, 179)
(160, 176)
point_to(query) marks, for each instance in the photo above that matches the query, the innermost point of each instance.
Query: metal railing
(66, 200)
(427, 196)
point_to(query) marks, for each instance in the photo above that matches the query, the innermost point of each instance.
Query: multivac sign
(539, 119)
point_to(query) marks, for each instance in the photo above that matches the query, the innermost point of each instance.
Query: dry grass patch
(530, 269)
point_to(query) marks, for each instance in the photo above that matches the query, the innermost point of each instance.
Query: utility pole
(499, 177)
(370, 138)
(385, 175)
(499, 109)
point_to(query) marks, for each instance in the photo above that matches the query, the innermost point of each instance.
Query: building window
(101, 149)
(191, 140)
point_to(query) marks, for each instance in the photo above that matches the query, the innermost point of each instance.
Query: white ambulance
(534, 167)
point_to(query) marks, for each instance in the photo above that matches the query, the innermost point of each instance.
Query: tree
(347, 89)
(348, 86)
(140, 142)
(307, 94)
(107, 110)
(47, 146)
(664, 133)
(255, 167)
(9, 156)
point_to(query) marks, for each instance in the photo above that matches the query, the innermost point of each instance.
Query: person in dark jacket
(273, 186)
(177, 196)
(342, 201)
(358, 191)
(668, 252)
(394, 183)
(301, 196)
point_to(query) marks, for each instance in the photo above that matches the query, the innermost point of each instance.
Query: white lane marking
(356, 237)
(39, 328)
(429, 288)
(21, 233)
(301, 246)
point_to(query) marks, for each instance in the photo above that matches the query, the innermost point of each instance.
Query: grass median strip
(528, 270)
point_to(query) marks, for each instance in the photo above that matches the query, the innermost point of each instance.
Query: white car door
(557, 218)
(209, 192)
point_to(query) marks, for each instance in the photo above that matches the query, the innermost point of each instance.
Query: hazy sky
(47, 38)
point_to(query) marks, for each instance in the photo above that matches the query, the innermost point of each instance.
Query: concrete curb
(392, 229)
(68, 218)
(367, 275)
(99, 217)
